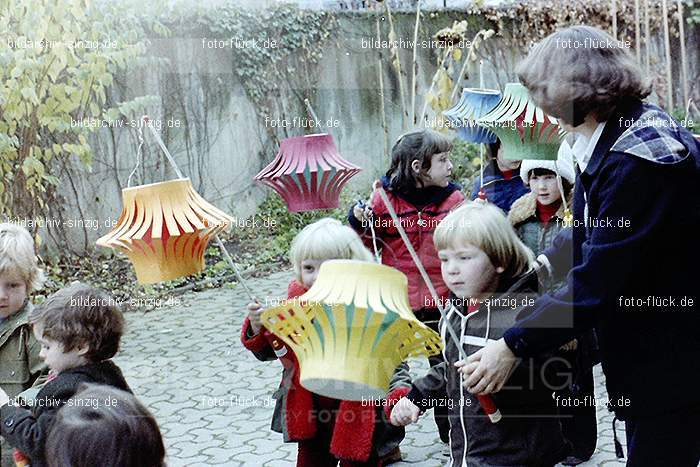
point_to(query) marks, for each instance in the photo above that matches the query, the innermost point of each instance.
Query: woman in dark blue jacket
(635, 247)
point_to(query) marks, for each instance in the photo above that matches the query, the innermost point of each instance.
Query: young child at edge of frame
(79, 329)
(20, 275)
(105, 426)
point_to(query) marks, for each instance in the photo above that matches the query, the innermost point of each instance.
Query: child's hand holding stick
(404, 413)
(485, 400)
(361, 211)
(255, 311)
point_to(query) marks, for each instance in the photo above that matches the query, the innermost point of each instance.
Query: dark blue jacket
(27, 428)
(642, 191)
(500, 191)
(529, 433)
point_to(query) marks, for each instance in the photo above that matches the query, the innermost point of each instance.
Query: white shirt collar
(583, 147)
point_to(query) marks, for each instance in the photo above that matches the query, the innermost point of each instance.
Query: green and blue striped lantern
(474, 103)
(525, 130)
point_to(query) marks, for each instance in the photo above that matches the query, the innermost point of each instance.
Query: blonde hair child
(323, 240)
(18, 259)
(318, 424)
(484, 226)
(20, 275)
(489, 272)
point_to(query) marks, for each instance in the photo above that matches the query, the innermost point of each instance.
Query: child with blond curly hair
(20, 275)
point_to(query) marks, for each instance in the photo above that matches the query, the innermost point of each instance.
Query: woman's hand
(486, 371)
(255, 311)
(404, 413)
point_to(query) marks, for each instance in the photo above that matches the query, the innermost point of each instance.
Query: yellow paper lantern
(164, 229)
(352, 329)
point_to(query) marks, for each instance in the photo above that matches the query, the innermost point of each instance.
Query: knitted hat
(565, 164)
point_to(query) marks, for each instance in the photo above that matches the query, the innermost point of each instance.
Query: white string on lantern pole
(486, 402)
(560, 185)
(138, 156)
(421, 269)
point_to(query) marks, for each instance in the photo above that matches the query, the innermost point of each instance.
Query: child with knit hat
(538, 216)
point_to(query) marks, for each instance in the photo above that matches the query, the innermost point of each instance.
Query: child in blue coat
(502, 182)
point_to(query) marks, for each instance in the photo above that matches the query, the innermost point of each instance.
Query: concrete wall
(223, 142)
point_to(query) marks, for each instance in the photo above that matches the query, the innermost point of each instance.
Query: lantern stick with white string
(486, 402)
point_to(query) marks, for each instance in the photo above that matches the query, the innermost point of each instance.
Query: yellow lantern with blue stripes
(352, 329)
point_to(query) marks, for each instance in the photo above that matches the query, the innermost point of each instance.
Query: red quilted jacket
(355, 423)
(419, 224)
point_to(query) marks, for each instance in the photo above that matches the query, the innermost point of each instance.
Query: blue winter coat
(500, 191)
(641, 194)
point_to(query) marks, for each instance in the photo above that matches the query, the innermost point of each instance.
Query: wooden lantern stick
(560, 186)
(310, 110)
(637, 44)
(414, 65)
(221, 245)
(421, 270)
(380, 77)
(684, 58)
(486, 402)
(667, 43)
(229, 260)
(481, 166)
(647, 37)
(481, 74)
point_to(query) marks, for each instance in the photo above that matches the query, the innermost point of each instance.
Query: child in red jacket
(327, 430)
(419, 189)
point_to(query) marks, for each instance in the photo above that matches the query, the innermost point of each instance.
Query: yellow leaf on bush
(431, 99)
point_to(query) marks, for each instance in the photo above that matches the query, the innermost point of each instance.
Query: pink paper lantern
(308, 172)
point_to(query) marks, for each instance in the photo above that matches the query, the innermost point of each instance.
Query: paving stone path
(213, 400)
